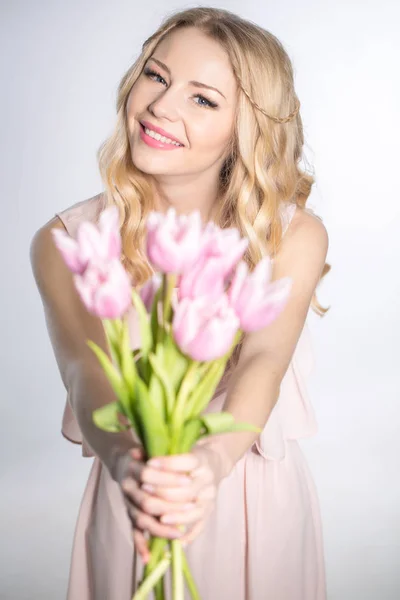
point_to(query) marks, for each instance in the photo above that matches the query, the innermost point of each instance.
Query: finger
(152, 504)
(190, 535)
(180, 463)
(199, 492)
(183, 494)
(146, 474)
(140, 544)
(199, 489)
(148, 523)
(137, 453)
(184, 518)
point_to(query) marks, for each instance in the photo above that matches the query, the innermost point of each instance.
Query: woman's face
(187, 89)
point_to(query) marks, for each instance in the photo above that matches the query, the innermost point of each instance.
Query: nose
(166, 105)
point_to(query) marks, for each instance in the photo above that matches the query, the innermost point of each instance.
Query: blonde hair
(262, 169)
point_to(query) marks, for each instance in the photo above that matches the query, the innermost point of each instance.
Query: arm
(254, 387)
(69, 325)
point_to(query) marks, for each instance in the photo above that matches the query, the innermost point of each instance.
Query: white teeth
(161, 138)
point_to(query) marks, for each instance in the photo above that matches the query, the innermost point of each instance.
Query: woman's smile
(155, 140)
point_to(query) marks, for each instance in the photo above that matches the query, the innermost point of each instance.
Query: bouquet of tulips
(191, 313)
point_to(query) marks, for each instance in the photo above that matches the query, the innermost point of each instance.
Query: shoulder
(43, 253)
(306, 234)
(301, 257)
(302, 254)
(42, 250)
(85, 210)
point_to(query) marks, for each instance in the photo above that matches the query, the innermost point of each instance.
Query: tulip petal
(110, 232)
(265, 313)
(90, 242)
(173, 242)
(237, 282)
(85, 292)
(69, 250)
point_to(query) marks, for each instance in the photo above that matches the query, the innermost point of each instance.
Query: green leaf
(117, 383)
(164, 378)
(146, 340)
(153, 427)
(112, 334)
(191, 433)
(224, 422)
(128, 364)
(204, 390)
(217, 422)
(135, 352)
(245, 427)
(113, 375)
(157, 394)
(154, 324)
(175, 362)
(144, 368)
(106, 417)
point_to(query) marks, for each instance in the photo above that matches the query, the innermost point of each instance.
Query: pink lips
(150, 141)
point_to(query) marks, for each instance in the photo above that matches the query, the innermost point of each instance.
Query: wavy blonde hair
(262, 170)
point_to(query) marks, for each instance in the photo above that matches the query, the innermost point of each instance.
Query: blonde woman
(207, 119)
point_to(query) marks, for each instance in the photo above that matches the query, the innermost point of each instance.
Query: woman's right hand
(134, 476)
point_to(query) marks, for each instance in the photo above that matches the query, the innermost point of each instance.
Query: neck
(186, 195)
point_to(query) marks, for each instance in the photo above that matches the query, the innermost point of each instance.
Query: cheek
(135, 99)
(130, 111)
(212, 136)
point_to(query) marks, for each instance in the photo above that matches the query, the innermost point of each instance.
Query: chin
(151, 166)
(149, 169)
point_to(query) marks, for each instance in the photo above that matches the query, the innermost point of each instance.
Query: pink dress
(264, 538)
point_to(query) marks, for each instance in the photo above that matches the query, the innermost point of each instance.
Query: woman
(208, 119)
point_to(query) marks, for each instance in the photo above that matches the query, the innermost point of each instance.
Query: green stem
(194, 592)
(159, 590)
(178, 589)
(149, 583)
(177, 417)
(161, 326)
(156, 546)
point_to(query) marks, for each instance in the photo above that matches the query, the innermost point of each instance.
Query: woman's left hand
(203, 465)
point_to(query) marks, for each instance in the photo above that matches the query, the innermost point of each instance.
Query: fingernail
(148, 488)
(154, 463)
(189, 506)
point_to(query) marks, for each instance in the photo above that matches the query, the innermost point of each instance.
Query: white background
(61, 64)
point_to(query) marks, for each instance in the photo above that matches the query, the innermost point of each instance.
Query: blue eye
(208, 103)
(151, 74)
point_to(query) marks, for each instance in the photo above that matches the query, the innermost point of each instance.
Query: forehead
(192, 55)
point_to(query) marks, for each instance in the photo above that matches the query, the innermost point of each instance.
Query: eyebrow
(195, 83)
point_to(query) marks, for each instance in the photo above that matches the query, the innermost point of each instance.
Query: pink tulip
(256, 300)
(105, 289)
(205, 278)
(221, 250)
(173, 242)
(93, 244)
(224, 244)
(69, 250)
(149, 289)
(203, 330)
